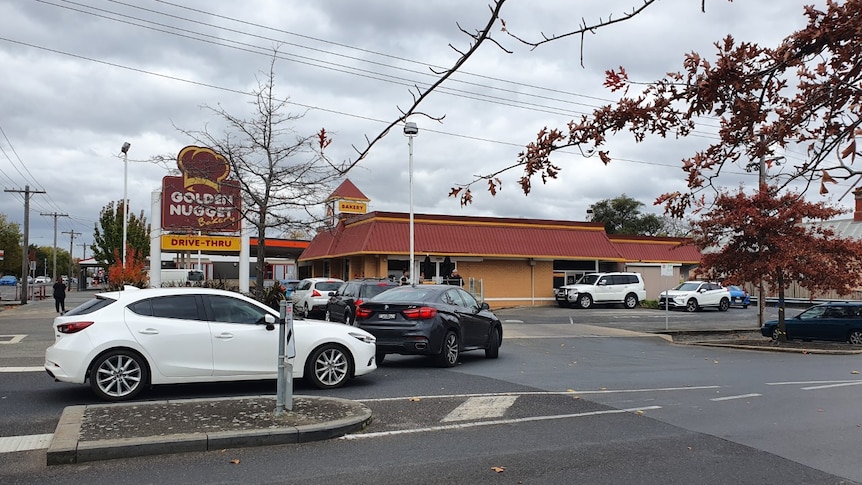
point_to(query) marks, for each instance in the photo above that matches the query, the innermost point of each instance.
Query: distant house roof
(491, 237)
(348, 191)
(650, 249)
(843, 228)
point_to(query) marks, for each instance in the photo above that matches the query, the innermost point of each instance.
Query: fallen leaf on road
(639, 412)
(234, 462)
(415, 399)
(854, 371)
(715, 361)
(498, 469)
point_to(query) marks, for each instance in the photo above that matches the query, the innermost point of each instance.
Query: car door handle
(224, 336)
(149, 331)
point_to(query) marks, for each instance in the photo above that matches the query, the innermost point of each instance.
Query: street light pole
(411, 130)
(125, 150)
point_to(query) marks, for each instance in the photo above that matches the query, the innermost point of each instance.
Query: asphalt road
(564, 403)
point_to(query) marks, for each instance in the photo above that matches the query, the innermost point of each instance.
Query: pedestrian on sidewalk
(60, 296)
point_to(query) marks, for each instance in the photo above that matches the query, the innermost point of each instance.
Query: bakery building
(505, 261)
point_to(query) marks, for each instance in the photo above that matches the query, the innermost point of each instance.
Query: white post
(411, 130)
(125, 151)
(156, 239)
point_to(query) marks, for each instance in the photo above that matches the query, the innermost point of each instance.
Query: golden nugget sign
(352, 207)
(200, 243)
(203, 199)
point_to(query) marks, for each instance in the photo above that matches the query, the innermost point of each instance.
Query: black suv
(343, 302)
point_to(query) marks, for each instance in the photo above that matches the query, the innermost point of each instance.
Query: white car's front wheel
(329, 366)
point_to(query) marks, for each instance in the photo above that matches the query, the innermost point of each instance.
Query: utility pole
(71, 234)
(25, 258)
(761, 305)
(56, 215)
(83, 245)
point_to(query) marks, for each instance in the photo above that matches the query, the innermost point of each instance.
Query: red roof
(348, 191)
(389, 233)
(656, 249)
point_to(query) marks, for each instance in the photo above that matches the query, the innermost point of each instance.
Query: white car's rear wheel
(118, 375)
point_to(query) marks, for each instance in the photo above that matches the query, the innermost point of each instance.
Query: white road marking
(742, 396)
(827, 386)
(12, 339)
(494, 423)
(542, 393)
(481, 408)
(24, 443)
(22, 369)
(796, 383)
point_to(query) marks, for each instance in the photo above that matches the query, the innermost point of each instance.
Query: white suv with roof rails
(625, 288)
(694, 295)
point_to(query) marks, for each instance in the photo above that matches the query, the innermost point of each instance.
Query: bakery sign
(203, 199)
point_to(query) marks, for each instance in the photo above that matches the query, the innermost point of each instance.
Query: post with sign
(286, 351)
(666, 271)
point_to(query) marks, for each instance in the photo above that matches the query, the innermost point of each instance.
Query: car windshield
(588, 279)
(328, 285)
(374, 290)
(687, 286)
(90, 306)
(404, 293)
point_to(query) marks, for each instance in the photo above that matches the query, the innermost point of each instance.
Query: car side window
(603, 280)
(469, 300)
(813, 312)
(451, 297)
(175, 306)
(230, 310)
(304, 285)
(834, 312)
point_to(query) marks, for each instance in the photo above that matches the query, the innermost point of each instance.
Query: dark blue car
(840, 322)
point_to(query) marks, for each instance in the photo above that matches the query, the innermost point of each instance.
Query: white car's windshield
(588, 279)
(687, 286)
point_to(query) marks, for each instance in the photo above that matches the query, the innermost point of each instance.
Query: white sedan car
(125, 341)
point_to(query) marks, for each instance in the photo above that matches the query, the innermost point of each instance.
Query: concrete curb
(68, 447)
(772, 348)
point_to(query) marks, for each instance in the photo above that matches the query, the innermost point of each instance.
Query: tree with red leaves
(766, 237)
(806, 91)
(133, 273)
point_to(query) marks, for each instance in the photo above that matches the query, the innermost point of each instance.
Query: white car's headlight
(369, 339)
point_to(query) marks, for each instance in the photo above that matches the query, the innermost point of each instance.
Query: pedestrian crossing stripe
(484, 407)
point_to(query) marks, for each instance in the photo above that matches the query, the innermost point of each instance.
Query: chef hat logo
(202, 166)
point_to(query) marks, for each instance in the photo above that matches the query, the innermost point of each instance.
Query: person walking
(60, 296)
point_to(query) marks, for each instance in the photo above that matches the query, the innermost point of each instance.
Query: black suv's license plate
(387, 316)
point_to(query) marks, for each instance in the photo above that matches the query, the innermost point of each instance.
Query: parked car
(8, 280)
(287, 286)
(625, 288)
(840, 322)
(42, 280)
(739, 296)
(343, 301)
(695, 295)
(125, 341)
(311, 295)
(437, 320)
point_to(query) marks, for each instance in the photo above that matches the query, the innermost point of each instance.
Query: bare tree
(283, 176)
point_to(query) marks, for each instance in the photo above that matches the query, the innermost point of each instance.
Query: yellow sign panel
(172, 242)
(352, 207)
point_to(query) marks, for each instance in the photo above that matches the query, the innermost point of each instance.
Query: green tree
(108, 240)
(622, 215)
(10, 243)
(45, 261)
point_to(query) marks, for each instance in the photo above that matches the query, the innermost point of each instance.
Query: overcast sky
(80, 78)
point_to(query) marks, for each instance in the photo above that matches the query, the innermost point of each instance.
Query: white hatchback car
(125, 341)
(311, 295)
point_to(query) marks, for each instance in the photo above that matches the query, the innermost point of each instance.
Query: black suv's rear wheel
(450, 350)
